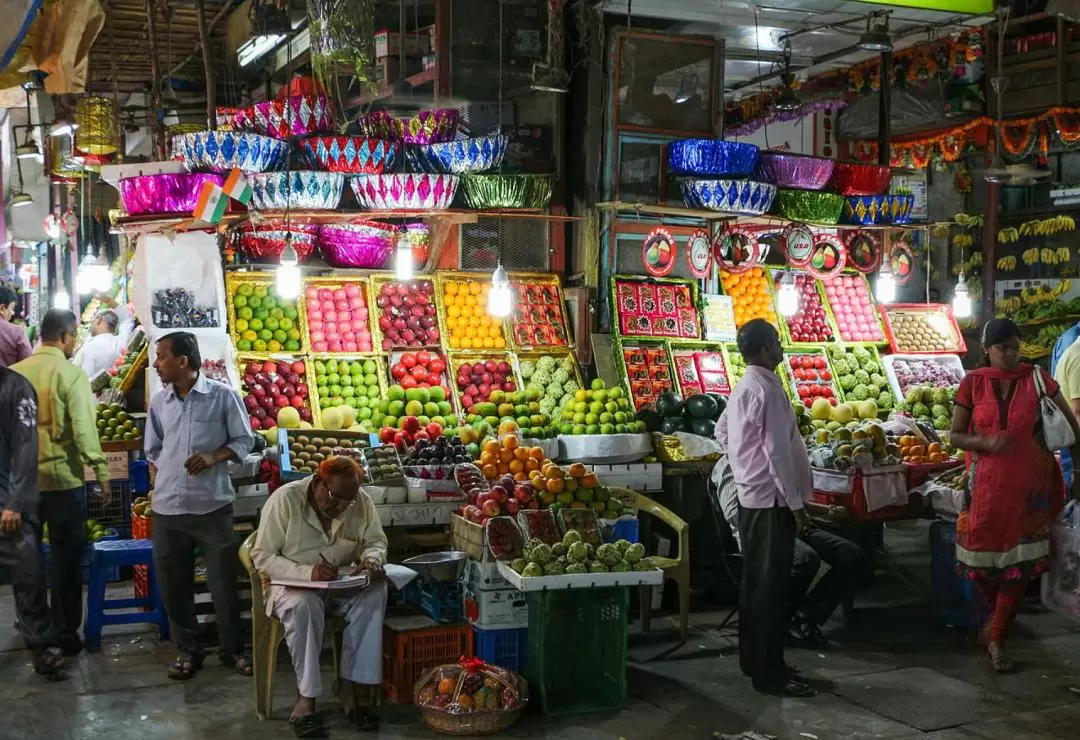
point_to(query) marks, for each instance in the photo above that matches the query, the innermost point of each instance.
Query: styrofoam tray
(604, 448)
(583, 580)
(890, 374)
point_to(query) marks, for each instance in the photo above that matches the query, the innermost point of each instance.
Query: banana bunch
(1069, 272)
(940, 230)
(1038, 295)
(1008, 236)
(1032, 350)
(962, 241)
(961, 268)
(976, 259)
(968, 222)
(1062, 288)
(1030, 256)
(1006, 306)
(1064, 254)
(1007, 264)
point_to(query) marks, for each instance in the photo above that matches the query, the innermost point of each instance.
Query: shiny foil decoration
(854, 178)
(711, 158)
(226, 117)
(298, 115)
(64, 169)
(426, 127)
(900, 207)
(365, 245)
(97, 132)
(866, 210)
(404, 192)
(809, 207)
(744, 197)
(794, 170)
(419, 234)
(221, 151)
(179, 129)
(461, 156)
(265, 241)
(353, 155)
(669, 449)
(507, 191)
(299, 189)
(164, 194)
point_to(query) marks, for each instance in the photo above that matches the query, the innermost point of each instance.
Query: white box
(640, 477)
(416, 44)
(501, 609)
(484, 576)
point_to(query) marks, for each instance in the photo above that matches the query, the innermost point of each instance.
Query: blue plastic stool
(104, 557)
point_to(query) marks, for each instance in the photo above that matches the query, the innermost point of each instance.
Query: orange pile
(912, 450)
(510, 457)
(750, 295)
(467, 319)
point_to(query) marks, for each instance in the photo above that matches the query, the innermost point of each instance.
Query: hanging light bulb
(61, 298)
(93, 275)
(403, 259)
(885, 289)
(787, 297)
(103, 280)
(961, 302)
(500, 299)
(289, 280)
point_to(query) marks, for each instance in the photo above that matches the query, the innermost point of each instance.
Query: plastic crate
(955, 600)
(577, 649)
(111, 576)
(117, 515)
(443, 602)
(409, 653)
(507, 649)
(854, 501)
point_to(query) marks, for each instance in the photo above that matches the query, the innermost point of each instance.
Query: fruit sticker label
(699, 254)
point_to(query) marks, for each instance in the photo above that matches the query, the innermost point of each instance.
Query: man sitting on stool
(309, 529)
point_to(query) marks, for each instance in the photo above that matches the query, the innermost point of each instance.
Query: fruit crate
(796, 382)
(361, 321)
(827, 289)
(443, 602)
(318, 403)
(655, 307)
(379, 335)
(467, 537)
(455, 360)
(247, 361)
(577, 649)
(508, 648)
(763, 287)
(136, 368)
(801, 278)
(645, 368)
(436, 357)
(936, 317)
(452, 312)
(883, 410)
(117, 514)
(292, 464)
(408, 653)
(233, 281)
(700, 367)
(949, 363)
(539, 312)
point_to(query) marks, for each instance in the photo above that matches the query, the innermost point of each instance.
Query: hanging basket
(97, 133)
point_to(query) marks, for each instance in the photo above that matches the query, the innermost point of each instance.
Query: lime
(271, 323)
(293, 334)
(262, 314)
(292, 345)
(255, 302)
(244, 289)
(244, 313)
(273, 345)
(277, 312)
(241, 326)
(239, 301)
(285, 323)
(290, 313)
(280, 336)
(243, 345)
(251, 335)
(266, 335)
(255, 324)
(258, 345)
(260, 291)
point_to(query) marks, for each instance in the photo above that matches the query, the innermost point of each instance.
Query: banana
(940, 231)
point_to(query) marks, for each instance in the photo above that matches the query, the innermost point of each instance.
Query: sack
(1060, 585)
(1057, 432)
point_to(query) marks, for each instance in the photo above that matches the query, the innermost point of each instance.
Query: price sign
(719, 319)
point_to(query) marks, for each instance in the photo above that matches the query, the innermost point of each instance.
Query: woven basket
(466, 536)
(474, 723)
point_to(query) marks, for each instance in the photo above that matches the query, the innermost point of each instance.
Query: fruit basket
(284, 118)
(657, 307)
(337, 316)
(298, 189)
(809, 376)
(221, 151)
(351, 154)
(268, 386)
(365, 245)
(647, 371)
(352, 384)
(539, 315)
(471, 698)
(162, 194)
(475, 376)
(858, 371)
(849, 302)
(751, 295)
(811, 323)
(406, 191)
(461, 300)
(922, 329)
(742, 197)
(246, 297)
(405, 314)
(700, 368)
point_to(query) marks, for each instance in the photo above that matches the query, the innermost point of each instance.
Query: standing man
(1066, 369)
(67, 441)
(773, 480)
(14, 345)
(194, 426)
(107, 339)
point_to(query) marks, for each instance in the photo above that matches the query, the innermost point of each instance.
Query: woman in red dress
(1017, 491)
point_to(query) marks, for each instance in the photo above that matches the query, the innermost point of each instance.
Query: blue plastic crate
(443, 602)
(111, 576)
(507, 649)
(954, 599)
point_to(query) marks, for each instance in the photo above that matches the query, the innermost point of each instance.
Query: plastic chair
(105, 557)
(267, 634)
(677, 568)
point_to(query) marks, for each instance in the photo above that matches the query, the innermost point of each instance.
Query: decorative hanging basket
(828, 257)
(736, 250)
(863, 251)
(97, 133)
(809, 206)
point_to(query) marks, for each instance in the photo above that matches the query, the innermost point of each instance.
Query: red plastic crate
(855, 503)
(408, 654)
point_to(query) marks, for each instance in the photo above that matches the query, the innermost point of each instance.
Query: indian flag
(237, 187)
(211, 204)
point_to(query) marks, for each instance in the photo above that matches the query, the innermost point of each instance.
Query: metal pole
(155, 85)
(884, 113)
(208, 63)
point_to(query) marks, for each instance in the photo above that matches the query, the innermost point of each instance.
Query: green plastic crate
(577, 649)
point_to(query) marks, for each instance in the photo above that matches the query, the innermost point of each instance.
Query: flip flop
(307, 726)
(185, 667)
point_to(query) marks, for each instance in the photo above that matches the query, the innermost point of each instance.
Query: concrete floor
(892, 673)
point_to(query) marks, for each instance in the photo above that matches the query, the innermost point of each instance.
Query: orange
(491, 446)
(506, 456)
(465, 701)
(521, 453)
(516, 466)
(490, 471)
(590, 480)
(536, 477)
(537, 453)
(503, 469)
(511, 442)
(533, 465)
(488, 458)
(451, 288)
(933, 448)
(554, 485)
(577, 470)
(447, 686)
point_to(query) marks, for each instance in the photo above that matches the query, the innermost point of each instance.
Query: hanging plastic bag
(1061, 583)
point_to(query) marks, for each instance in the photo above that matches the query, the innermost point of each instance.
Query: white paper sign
(719, 319)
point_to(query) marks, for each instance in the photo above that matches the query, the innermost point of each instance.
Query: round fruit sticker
(698, 253)
(736, 250)
(658, 252)
(827, 258)
(902, 262)
(798, 244)
(864, 251)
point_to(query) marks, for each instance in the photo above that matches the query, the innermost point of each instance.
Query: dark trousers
(64, 514)
(24, 566)
(768, 545)
(843, 556)
(175, 540)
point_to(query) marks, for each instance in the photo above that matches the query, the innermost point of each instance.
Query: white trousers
(303, 614)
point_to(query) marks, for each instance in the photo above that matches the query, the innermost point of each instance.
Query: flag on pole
(211, 204)
(237, 186)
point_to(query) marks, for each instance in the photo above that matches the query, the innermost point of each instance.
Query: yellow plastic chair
(677, 568)
(267, 633)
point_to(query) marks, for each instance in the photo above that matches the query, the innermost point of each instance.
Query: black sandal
(185, 667)
(49, 662)
(239, 663)
(365, 719)
(308, 725)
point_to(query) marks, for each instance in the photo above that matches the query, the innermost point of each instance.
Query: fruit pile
(349, 383)
(511, 458)
(937, 372)
(467, 318)
(407, 315)
(421, 369)
(477, 380)
(461, 690)
(510, 413)
(849, 435)
(426, 405)
(923, 330)
(572, 555)
(810, 378)
(440, 450)
(599, 411)
(550, 381)
(917, 452)
(697, 414)
(265, 322)
(507, 497)
(860, 375)
(308, 450)
(270, 388)
(114, 424)
(126, 363)
(853, 309)
(810, 324)
(750, 295)
(930, 405)
(338, 318)
(738, 367)
(537, 319)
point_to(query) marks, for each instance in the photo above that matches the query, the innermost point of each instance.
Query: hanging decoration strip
(749, 125)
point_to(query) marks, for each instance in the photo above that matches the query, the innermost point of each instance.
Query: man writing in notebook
(313, 530)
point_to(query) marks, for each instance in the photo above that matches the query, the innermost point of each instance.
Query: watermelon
(669, 404)
(701, 406)
(721, 404)
(672, 424)
(651, 418)
(703, 427)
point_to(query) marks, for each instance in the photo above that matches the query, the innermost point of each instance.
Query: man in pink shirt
(14, 345)
(772, 476)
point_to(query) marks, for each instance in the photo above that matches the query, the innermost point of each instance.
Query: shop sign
(658, 252)
(699, 253)
(719, 318)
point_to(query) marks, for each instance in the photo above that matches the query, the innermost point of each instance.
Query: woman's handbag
(1057, 432)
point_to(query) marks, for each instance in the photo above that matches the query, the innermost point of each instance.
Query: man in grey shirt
(194, 427)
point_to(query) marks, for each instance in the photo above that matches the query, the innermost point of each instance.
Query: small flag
(237, 187)
(211, 205)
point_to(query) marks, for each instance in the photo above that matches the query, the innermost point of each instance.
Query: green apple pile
(352, 384)
(738, 367)
(549, 381)
(426, 405)
(598, 411)
(265, 322)
(114, 424)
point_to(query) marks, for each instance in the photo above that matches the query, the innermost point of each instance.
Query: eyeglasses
(344, 503)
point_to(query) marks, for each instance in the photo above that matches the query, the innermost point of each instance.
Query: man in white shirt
(107, 339)
(309, 530)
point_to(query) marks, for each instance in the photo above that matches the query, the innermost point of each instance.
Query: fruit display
(750, 295)
(810, 377)
(382, 466)
(853, 309)
(352, 387)
(923, 329)
(477, 379)
(468, 324)
(414, 413)
(262, 321)
(440, 450)
(920, 452)
(471, 481)
(307, 449)
(584, 521)
(459, 691)
(663, 308)
(120, 374)
(337, 317)
(572, 555)
(940, 371)
(860, 375)
(506, 497)
(930, 405)
(574, 487)
(270, 388)
(648, 372)
(406, 316)
(501, 533)
(737, 364)
(115, 425)
(510, 413)
(696, 415)
(701, 371)
(598, 410)
(810, 323)
(538, 318)
(539, 524)
(511, 458)
(845, 439)
(549, 379)
(422, 369)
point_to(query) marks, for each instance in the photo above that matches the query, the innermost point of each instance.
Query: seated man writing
(312, 530)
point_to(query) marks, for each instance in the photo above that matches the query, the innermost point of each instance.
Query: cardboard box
(386, 70)
(484, 576)
(118, 467)
(500, 609)
(417, 44)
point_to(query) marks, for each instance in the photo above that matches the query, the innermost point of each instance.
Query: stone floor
(891, 673)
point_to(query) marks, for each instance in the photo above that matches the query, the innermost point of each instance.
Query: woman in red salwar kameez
(1017, 491)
